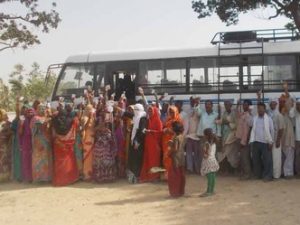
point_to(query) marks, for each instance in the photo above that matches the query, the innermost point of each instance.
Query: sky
(118, 25)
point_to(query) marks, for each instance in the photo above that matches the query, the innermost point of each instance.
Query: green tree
(229, 10)
(5, 101)
(36, 88)
(31, 85)
(16, 80)
(18, 29)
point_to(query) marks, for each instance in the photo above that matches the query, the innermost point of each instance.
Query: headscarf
(29, 112)
(176, 117)
(62, 123)
(273, 100)
(139, 112)
(285, 102)
(41, 110)
(154, 122)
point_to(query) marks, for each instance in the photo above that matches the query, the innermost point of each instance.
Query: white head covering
(139, 112)
(273, 100)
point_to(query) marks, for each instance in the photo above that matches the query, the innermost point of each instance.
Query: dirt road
(236, 203)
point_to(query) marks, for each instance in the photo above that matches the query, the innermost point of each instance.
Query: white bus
(236, 67)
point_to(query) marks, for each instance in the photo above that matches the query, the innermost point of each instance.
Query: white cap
(273, 100)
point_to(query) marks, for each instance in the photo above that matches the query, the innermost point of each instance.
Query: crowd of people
(103, 140)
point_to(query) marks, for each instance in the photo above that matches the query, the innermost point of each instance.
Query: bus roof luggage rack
(255, 35)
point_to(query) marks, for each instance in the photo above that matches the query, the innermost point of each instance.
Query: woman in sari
(168, 134)
(65, 165)
(128, 125)
(41, 146)
(88, 136)
(104, 152)
(120, 141)
(16, 153)
(25, 138)
(152, 149)
(5, 150)
(78, 147)
(135, 154)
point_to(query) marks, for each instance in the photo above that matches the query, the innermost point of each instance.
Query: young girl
(209, 165)
(176, 173)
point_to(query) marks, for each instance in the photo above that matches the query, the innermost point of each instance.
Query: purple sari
(26, 151)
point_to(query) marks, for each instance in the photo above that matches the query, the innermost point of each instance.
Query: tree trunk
(295, 11)
(296, 17)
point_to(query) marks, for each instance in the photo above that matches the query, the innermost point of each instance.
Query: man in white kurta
(278, 123)
(230, 142)
(286, 102)
(295, 115)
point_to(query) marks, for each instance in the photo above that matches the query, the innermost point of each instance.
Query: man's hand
(258, 94)
(270, 147)
(107, 87)
(141, 91)
(277, 144)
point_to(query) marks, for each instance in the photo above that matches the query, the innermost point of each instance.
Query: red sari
(167, 161)
(152, 147)
(65, 165)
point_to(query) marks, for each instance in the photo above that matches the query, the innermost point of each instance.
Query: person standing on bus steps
(193, 157)
(286, 102)
(295, 115)
(278, 123)
(261, 140)
(229, 140)
(244, 123)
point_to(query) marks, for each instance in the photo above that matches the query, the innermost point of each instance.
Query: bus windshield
(74, 79)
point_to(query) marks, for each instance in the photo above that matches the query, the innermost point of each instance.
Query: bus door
(121, 77)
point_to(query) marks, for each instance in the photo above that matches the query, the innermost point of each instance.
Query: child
(176, 173)
(209, 165)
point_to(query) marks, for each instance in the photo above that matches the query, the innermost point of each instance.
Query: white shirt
(294, 114)
(185, 120)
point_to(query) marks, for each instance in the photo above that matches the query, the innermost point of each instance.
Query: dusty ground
(236, 203)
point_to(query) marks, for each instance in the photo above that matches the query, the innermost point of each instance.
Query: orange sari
(65, 165)
(88, 143)
(152, 147)
(167, 136)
